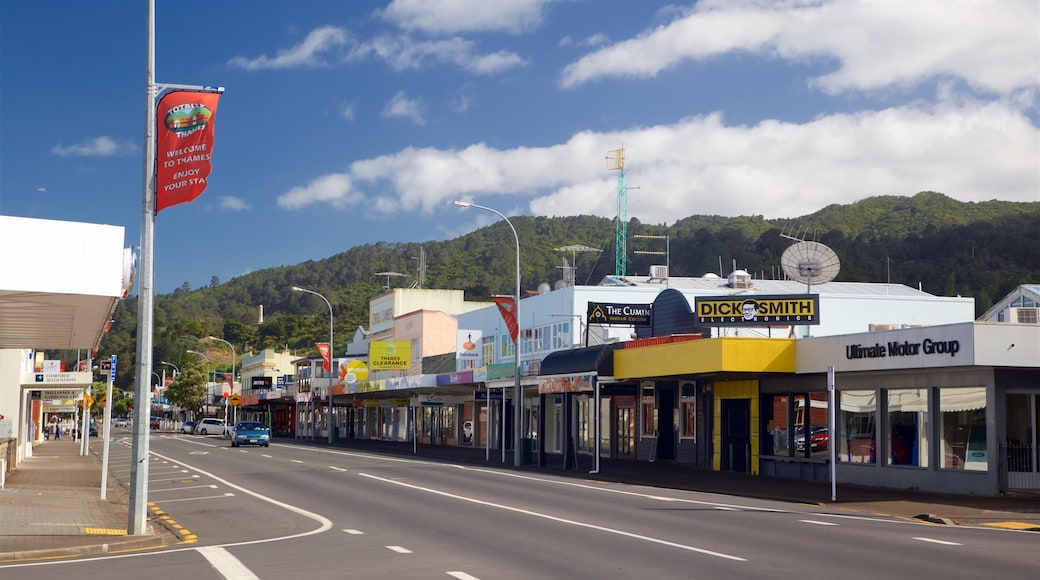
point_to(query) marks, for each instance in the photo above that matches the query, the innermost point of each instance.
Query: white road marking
(295, 461)
(818, 523)
(557, 519)
(399, 549)
(210, 486)
(334, 468)
(227, 565)
(462, 576)
(265, 455)
(354, 532)
(228, 494)
(943, 542)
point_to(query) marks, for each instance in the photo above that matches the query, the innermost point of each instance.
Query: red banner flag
(323, 350)
(184, 144)
(507, 308)
(230, 381)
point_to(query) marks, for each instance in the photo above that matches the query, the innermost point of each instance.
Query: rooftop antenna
(388, 276)
(655, 271)
(420, 277)
(570, 270)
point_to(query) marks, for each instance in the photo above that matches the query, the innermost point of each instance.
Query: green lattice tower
(621, 230)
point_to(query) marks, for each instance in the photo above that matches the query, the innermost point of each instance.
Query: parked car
(154, 422)
(250, 433)
(210, 426)
(120, 422)
(188, 427)
(92, 428)
(819, 437)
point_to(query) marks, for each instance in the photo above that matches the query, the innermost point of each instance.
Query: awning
(597, 359)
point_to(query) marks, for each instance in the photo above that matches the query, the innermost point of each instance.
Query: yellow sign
(103, 401)
(356, 368)
(235, 399)
(758, 310)
(87, 400)
(390, 355)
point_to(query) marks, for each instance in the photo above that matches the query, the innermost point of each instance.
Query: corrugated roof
(719, 286)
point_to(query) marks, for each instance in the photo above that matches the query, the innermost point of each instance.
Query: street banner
(230, 382)
(507, 308)
(323, 350)
(184, 145)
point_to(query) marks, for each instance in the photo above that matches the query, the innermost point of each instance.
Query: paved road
(309, 511)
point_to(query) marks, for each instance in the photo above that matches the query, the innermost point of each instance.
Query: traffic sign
(88, 400)
(103, 401)
(235, 399)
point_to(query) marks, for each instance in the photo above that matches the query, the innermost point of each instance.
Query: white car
(120, 422)
(210, 427)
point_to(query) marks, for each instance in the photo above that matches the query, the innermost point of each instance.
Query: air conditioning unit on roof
(1024, 315)
(658, 272)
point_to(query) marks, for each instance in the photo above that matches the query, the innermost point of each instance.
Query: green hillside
(931, 241)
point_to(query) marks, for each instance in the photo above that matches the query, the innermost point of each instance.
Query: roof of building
(712, 284)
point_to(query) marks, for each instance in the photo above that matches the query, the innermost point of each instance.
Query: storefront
(950, 408)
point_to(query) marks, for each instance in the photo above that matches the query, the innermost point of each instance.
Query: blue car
(250, 433)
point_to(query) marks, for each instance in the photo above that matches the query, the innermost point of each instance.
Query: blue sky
(348, 123)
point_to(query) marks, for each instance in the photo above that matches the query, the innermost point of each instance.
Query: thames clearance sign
(759, 310)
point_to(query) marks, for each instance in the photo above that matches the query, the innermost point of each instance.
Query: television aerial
(810, 262)
(388, 276)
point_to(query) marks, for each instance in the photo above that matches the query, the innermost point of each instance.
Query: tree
(188, 391)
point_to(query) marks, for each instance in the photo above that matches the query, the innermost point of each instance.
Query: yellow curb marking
(104, 531)
(1012, 525)
(178, 530)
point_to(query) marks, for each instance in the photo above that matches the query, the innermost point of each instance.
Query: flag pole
(138, 517)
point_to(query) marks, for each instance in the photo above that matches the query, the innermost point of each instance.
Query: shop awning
(597, 359)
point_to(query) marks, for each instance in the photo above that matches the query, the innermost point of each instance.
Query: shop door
(736, 435)
(625, 428)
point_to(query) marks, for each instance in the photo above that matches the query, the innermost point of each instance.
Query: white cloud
(699, 165)
(401, 107)
(405, 52)
(335, 189)
(873, 44)
(347, 112)
(97, 147)
(453, 16)
(306, 54)
(233, 203)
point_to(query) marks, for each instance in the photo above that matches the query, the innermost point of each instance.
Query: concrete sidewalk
(52, 507)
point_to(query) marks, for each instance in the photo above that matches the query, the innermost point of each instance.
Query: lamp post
(233, 357)
(332, 369)
(518, 393)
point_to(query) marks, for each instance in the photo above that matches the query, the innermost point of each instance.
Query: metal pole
(332, 364)
(138, 521)
(108, 429)
(518, 393)
(831, 426)
(231, 383)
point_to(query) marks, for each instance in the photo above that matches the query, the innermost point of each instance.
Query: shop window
(688, 411)
(649, 412)
(907, 429)
(962, 423)
(857, 425)
(775, 410)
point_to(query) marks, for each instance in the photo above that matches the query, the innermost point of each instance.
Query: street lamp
(233, 357)
(331, 351)
(518, 393)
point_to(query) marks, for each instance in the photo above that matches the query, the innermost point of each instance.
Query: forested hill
(931, 241)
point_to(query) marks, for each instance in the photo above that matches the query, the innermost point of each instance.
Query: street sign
(103, 401)
(88, 400)
(235, 399)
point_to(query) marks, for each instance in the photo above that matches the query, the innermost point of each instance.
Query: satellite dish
(810, 262)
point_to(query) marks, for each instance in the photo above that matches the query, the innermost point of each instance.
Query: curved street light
(518, 393)
(233, 357)
(331, 351)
